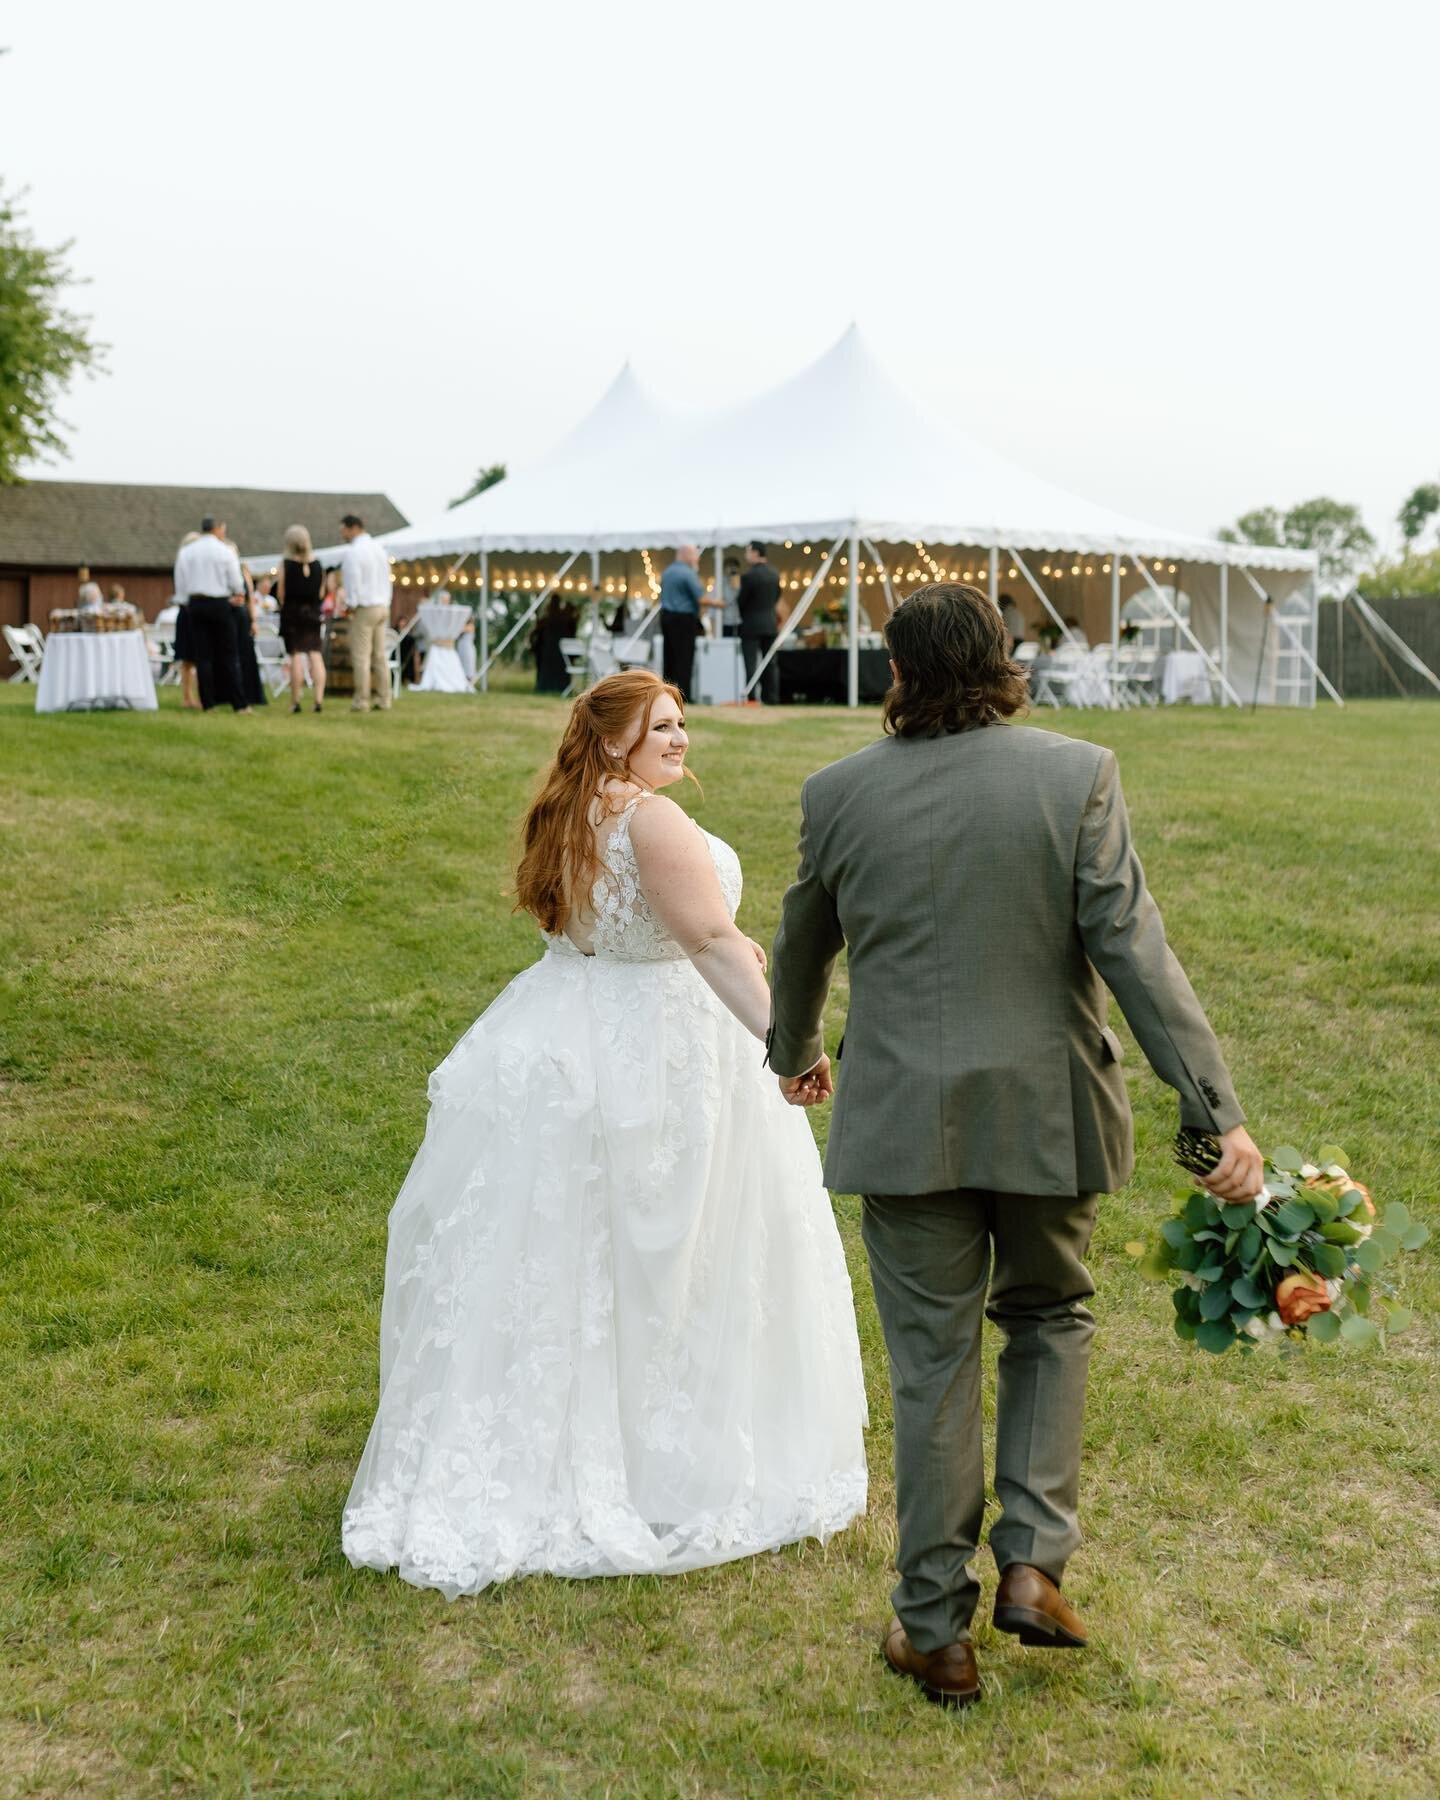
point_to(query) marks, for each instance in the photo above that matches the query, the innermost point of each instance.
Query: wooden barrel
(339, 676)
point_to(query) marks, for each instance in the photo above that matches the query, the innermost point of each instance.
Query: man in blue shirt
(681, 597)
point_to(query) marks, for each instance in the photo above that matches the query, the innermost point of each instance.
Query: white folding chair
(632, 653)
(392, 659)
(602, 660)
(273, 661)
(27, 646)
(575, 654)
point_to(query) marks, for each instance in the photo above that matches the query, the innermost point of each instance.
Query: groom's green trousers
(931, 1259)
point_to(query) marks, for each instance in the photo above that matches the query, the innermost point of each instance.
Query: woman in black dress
(557, 621)
(299, 592)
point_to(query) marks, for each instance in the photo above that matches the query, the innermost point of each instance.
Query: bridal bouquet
(1303, 1259)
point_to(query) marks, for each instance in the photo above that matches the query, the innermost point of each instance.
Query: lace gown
(618, 1334)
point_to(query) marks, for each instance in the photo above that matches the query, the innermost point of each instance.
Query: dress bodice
(625, 928)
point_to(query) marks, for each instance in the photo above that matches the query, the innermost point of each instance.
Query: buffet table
(444, 672)
(823, 675)
(85, 671)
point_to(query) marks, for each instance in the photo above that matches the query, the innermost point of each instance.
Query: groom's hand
(810, 1088)
(1240, 1172)
(760, 955)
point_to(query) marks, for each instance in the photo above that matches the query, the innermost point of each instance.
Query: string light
(650, 575)
(936, 573)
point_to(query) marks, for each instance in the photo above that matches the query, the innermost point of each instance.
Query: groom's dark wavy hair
(949, 643)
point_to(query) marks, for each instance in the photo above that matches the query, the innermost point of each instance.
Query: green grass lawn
(233, 950)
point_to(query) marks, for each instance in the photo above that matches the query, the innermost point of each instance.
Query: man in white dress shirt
(208, 583)
(365, 569)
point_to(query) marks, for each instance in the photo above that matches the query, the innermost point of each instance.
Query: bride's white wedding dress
(618, 1334)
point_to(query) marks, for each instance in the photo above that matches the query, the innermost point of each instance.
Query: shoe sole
(949, 1697)
(1036, 1629)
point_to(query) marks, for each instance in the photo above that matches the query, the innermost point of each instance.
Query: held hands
(811, 1088)
(760, 955)
(1240, 1172)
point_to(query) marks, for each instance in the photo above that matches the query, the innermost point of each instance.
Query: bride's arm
(680, 885)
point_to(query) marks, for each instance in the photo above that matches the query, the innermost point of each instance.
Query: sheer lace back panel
(624, 927)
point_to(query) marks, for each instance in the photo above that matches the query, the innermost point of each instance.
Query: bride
(617, 1334)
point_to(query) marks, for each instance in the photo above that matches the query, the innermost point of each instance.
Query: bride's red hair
(559, 858)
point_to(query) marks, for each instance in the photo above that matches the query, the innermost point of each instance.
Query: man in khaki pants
(369, 585)
(982, 877)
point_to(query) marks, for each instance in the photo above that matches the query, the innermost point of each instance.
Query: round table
(88, 670)
(444, 672)
(1184, 676)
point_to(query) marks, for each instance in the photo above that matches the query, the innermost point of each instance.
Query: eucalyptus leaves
(1304, 1259)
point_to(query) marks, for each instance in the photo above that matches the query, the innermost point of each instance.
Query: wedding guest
(1077, 635)
(184, 649)
(116, 596)
(682, 595)
(332, 595)
(369, 589)
(557, 621)
(246, 630)
(90, 599)
(758, 597)
(465, 649)
(300, 587)
(1013, 619)
(730, 619)
(209, 586)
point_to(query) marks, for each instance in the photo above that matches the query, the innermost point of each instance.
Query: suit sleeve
(1124, 936)
(802, 962)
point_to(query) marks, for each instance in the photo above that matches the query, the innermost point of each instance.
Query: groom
(983, 880)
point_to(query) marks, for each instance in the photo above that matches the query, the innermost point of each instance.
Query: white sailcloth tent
(839, 458)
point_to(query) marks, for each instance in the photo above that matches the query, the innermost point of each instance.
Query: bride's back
(605, 815)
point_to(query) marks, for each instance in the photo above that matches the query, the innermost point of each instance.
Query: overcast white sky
(1180, 260)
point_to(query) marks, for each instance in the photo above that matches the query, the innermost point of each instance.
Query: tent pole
(1174, 612)
(995, 576)
(852, 624)
(484, 674)
(530, 612)
(1114, 621)
(1296, 642)
(595, 587)
(1224, 628)
(792, 624)
(884, 574)
(719, 614)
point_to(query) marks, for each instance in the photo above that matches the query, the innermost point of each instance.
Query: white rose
(1308, 1170)
(1255, 1328)
(1188, 1278)
(1275, 1322)
(1334, 1289)
(1336, 1173)
(1263, 1199)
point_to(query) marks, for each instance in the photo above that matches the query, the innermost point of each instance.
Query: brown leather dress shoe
(948, 1676)
(1029, 1605)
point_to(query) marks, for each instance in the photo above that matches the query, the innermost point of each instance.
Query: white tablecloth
(84, 669)
(444, 672)
(719, 671)
(1183, 676)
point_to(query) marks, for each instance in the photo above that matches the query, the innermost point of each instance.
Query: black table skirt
(821, 675)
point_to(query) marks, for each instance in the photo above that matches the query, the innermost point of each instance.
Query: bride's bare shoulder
(659, 821)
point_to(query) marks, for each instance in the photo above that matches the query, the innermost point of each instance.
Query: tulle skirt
(618, 1334)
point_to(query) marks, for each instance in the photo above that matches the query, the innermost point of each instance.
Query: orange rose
(1342, 1184)
(1298, 1296)
(1360, 1188)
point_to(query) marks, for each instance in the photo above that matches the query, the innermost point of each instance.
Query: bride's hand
(760, 955)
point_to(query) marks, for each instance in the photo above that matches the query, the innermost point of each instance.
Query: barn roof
(124, 525)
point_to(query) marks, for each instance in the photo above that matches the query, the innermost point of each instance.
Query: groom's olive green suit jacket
(987, 890)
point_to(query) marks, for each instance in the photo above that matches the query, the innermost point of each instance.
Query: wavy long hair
(955, 673)
(558, 859)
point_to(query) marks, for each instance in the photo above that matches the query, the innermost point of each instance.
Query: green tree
(485, 478)
(1332, 527)
(1417, 511)
(42, 344)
